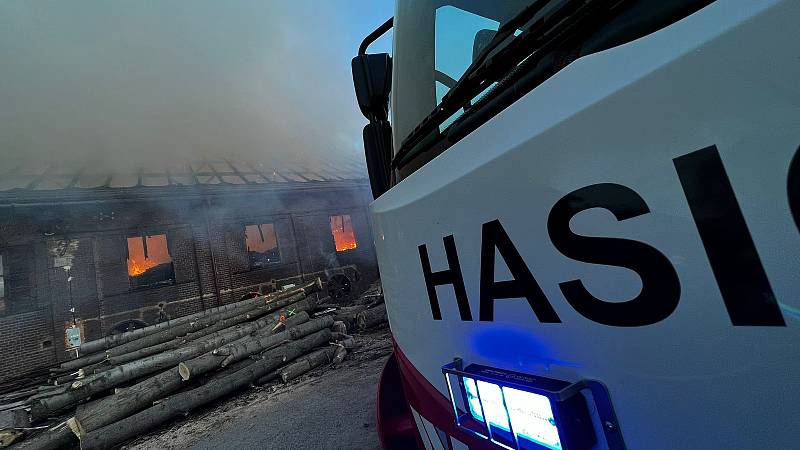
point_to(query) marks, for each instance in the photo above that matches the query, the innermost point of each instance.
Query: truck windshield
(435, 43)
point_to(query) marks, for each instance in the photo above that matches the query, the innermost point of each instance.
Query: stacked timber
(372, 317)
(124, 385)
(356, 318)
(369, 311)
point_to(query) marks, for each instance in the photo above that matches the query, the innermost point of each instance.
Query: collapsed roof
(219, 172)
(57, 182)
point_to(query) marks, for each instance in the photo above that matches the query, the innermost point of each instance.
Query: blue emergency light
(519, 411)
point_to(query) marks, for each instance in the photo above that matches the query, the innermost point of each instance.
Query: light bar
(519, 411)
(532, 417)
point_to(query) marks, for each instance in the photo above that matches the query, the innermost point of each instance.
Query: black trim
(372, 37)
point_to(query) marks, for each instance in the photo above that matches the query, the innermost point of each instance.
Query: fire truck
(587, 220)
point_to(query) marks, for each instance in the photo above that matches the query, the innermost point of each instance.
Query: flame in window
(343, 235)
(157, 253)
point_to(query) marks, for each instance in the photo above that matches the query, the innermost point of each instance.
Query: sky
(122, 84)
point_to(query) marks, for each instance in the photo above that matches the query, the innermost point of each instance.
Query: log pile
(127, 384)
(368, 314)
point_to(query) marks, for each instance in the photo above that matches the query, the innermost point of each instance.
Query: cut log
(371, 317)
(341, 352)
(238, 365)
(348, 343)
(272, 376)
(339, 327)
(4, 412)
(213, 322)
(66, 379)
(242, 348)
(348, 315)
(83, 361)
(15, 417)
(54, 438)
(112, 341)
(130, 400)
(117, 360)
(49, 393)
(181, 340)
(349, 311)
(239, 350)
(294, 319)
(345, 340)
(373, 299)
(306, 363)
(14, 396)
(160, 337)
(179, 404)
(289, 305)
(127, 401)
(216, 322)
(82, 389)
(124, 402)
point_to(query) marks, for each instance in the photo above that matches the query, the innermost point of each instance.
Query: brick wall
(26, 343)
(205, 236)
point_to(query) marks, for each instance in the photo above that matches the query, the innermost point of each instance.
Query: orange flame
(343, 235)
(157, 253)
(135, 268)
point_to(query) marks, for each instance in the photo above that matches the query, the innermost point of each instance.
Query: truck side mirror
(372, 78)
(378, 149)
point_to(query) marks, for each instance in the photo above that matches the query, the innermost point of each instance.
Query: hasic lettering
(660, 286)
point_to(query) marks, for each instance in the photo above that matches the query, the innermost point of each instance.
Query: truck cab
(587, 221)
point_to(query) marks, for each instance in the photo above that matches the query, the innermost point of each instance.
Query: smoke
(123, 85)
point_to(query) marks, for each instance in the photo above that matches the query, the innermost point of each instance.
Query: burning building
(102, 253)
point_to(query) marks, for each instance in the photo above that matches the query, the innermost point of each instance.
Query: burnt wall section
(65, 256)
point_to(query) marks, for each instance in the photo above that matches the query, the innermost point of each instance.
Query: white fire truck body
(632, 220)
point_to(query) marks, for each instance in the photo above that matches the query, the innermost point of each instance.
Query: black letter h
(450, 276)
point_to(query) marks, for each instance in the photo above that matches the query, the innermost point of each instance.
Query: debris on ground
(226, 421)
(123, 386)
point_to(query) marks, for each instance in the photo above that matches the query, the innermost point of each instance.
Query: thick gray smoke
(120, 85)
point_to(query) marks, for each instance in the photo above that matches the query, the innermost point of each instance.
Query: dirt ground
(330, 408)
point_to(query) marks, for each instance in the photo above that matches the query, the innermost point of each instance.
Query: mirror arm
(372, 37)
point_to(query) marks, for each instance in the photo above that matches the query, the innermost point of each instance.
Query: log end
(361, 320)
(280, 326)
(339, 327)
(183, 369)
(76, 427)
(319, 283)
(8, 437)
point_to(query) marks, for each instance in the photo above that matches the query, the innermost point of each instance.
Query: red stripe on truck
(431, 404)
